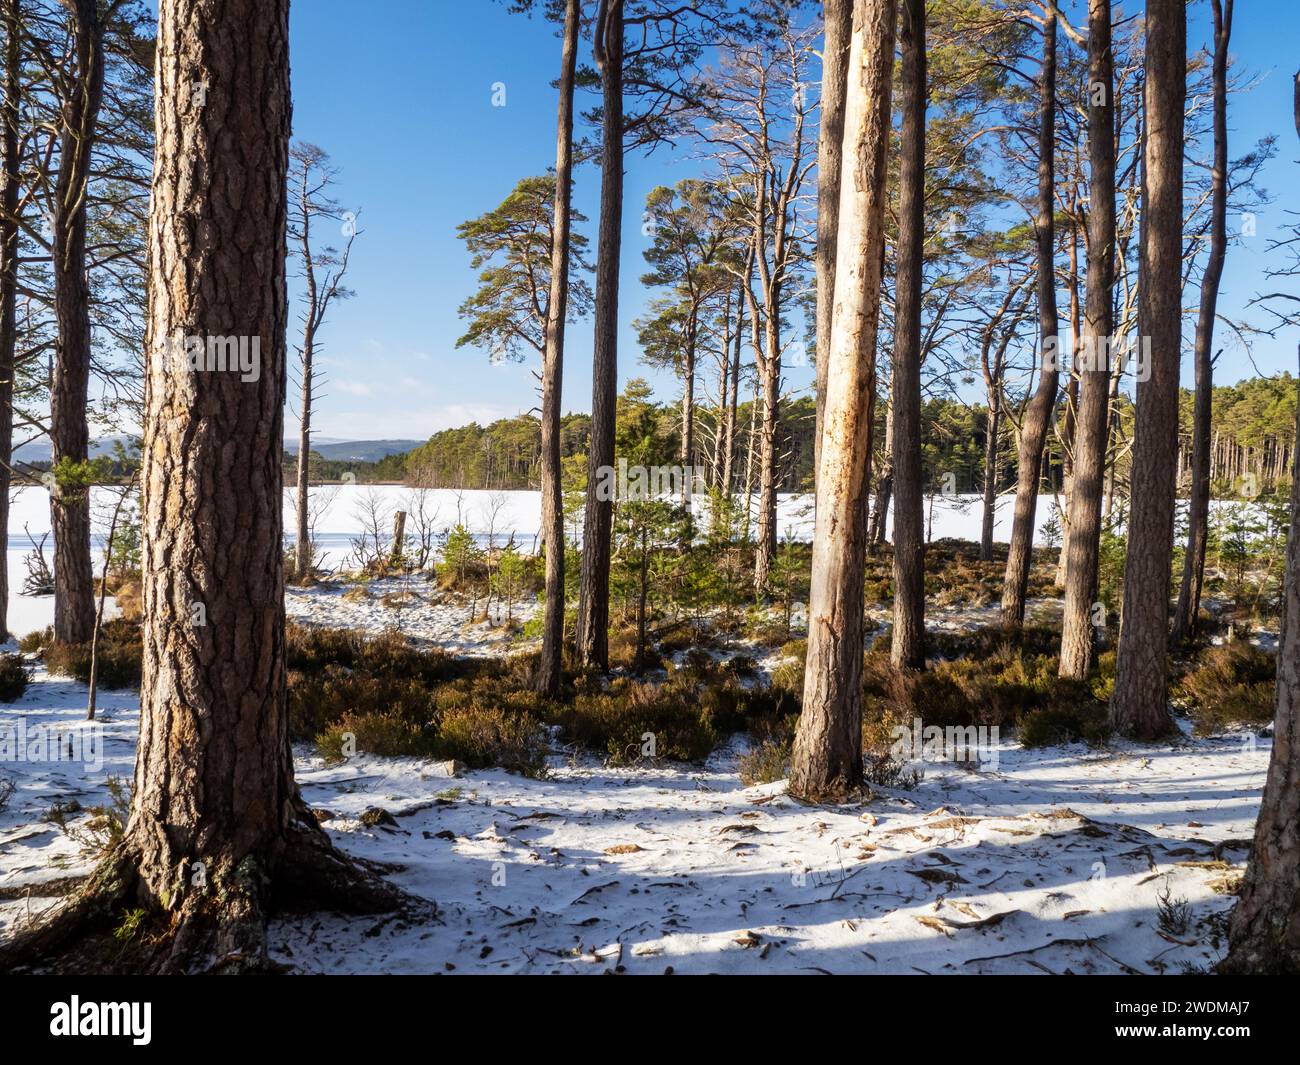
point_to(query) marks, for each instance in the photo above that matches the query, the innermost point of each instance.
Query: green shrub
(1232, 684)
(1084, 720)
(1002, 679)
(36, 641)
(14, 678)
(321, 699)
(482, 737)
(765, 764)
(119, 656)
(387, 732)
(618, 720)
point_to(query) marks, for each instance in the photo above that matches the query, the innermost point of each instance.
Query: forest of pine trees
(972, 265)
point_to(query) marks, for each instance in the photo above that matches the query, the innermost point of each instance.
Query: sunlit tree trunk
(1038, 417)
(908, 638)
(1139, 705)
(74, 601)
(837, 18)
(549, 667)
(1090, 432)
(218, 834)
(10, 175)
(1264, 934)
(592, 636)
(827, 757)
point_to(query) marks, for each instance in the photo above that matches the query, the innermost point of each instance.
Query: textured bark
(9, 182)
(827, 758)
(74, 598)
(1186, 615)
(218, 833)
(1139, 705)
(592, 637)
(550, 665)
(837, 19)
(908, 640)
(1090, 431)
(1264, 934)
(1038, 415)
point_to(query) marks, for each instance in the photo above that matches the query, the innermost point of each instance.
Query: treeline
(1253, 425)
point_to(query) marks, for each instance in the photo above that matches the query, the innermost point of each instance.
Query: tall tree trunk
(10, 176)
(827, 759)
(1084, 538)
(1186, 616)
(592, 637)
(1264, 933)
(1069, 415)
(218, 833)
(1139, 706)
(1038, 416)
(550, 665)
(908, 641)
(688, 405)
(770, 379)
(837, 20)
(74, 596)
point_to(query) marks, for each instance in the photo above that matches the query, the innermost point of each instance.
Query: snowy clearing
(1053, 860)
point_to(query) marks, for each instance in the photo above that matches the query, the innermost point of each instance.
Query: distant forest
(1253, 427)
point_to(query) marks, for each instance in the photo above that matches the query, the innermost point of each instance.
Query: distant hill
(39, 450)
(355, 450)
(325, 446)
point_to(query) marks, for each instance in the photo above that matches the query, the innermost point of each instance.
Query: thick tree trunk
(837, 20)
(1264, 934)
(1139, 705)
(592, 637)
(1186, 616)
(218, 832)
(1084, 537)
(908, 640)
(827, 757)
(74, 596)
(1038, 416)
(10, 177)
(550, 665)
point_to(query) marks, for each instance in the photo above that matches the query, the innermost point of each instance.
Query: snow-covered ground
(414, 607)
(1052, 860)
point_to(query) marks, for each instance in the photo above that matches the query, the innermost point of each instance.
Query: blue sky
(399, 92)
